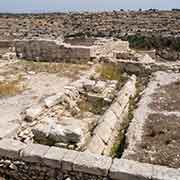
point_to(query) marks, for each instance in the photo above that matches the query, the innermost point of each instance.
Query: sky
(18, 6)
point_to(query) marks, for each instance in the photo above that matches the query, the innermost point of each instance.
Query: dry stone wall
(5, 43)
(143, 29)
(39, 162)
(48, 50)
(103, 136)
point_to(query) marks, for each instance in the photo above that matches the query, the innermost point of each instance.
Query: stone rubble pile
(133, 55)
(59, 120)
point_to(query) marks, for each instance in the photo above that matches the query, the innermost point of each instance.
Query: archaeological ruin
(90, 96)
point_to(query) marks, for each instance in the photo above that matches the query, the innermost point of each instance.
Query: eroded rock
(57, 133)
(33, 112)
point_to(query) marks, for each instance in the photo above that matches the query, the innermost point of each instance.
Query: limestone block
(11, 148)
(92, 164)
(99, 87)
(147, 59)
(96, 145)
(128, 90)
(104, 131)
(34, 152)
(117, 109)
(9, 56)
(88, 84)
(77, 84)
(54, 157)
(54, 100)
(110, 119)
(68, 160)
(54, 133)
(165, 173)
(33, 112)
(10, 131)
(126, 170)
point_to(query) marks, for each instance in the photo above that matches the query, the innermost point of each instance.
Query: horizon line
(87, 11)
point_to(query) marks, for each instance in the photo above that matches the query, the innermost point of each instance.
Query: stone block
(104, 131)
(99, 87)
(54, 157)
(92, 164)
(34, 152)
(88, 85)
(96, 145)
(54, 100)
(68, 160)
(117, 109)
(10, 131)
(122, 169)
(33, 112)
(165, 173)
(110, 118)
(10, 148)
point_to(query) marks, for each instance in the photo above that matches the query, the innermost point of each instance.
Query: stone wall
(5, 43)
(39, 162)
(105, 47)
(112, 121)
(144, 69)
(48, 50)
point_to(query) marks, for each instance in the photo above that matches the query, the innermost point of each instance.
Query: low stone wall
(5, 43)
(39, 162)
(51, 50)
(109, 45)
(141, 68)
(105, 132)
(48, 50)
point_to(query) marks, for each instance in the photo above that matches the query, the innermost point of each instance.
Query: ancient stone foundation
(72, 119)
(39, 162)
(49, 50)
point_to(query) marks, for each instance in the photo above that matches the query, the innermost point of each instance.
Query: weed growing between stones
(96, 107)
(118, 148)
(111, 72)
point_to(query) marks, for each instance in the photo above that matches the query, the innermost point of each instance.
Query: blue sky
(83, 5)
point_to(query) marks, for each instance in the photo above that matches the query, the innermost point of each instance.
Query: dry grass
(11, 88)
(97, 106)
(64, 69)
(109, 72)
